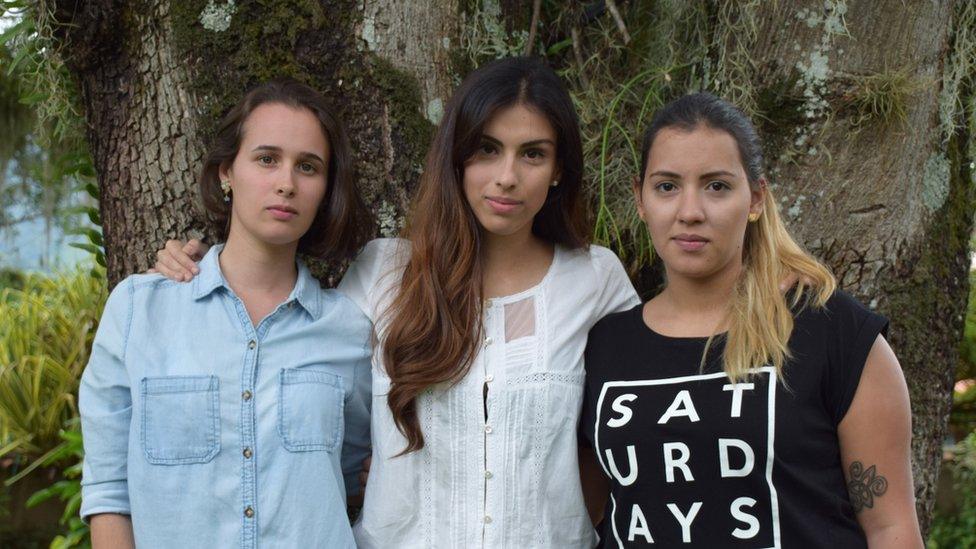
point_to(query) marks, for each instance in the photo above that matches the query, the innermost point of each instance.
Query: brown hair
(342, 224)
(435, 318)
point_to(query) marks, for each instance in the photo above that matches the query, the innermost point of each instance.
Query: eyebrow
(715, 173)
(272, 148)
(532, 143)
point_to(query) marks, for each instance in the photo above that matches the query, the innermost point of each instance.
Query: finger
(151, 271)
(788, 282)
(170, 268)
(176, 250)
(195, 249)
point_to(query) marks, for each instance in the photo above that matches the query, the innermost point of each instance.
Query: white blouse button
(487, 519)
(487, 474)
(489, 378)
(488, 429)
(488, 340)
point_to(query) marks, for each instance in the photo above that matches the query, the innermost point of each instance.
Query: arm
(105, 405)
(356, 442)
(112, 531)
(875, 444)
(177, 261)
(596, 489)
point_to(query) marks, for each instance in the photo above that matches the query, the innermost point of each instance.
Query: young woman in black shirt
(723, 413)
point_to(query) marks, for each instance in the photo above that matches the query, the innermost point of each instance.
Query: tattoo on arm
(864, 485)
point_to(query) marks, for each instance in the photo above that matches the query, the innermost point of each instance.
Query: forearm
(112, 531)
(896, 536)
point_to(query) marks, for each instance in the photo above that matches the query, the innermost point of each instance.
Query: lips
(690, 242)
(501, 204)
(282, 212)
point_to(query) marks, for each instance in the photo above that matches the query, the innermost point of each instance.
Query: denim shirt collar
(306, 292)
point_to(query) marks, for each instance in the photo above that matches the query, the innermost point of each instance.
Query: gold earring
(225, 186)
(753, 217)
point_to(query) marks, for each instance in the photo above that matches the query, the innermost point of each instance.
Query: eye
(666, 186)
(535, 154)
(307, 168)
(717, 186)
(266, 160)
(487, 147)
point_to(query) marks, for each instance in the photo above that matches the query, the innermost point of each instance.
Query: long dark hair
(435, 318)
(342, 224)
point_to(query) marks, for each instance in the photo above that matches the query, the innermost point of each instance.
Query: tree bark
(885, 202)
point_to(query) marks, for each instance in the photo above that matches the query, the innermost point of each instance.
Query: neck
(249, 265)
(702, 297)
(503, 252)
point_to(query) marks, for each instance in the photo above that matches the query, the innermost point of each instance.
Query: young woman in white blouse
(481, 313)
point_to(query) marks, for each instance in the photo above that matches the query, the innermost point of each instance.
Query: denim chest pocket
(180, 419)
(310, 410)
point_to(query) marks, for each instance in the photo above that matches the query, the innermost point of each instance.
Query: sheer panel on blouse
(520, 319)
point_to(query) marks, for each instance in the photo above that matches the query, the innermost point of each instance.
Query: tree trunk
(155, 77)
(860, 103)
(886, 201)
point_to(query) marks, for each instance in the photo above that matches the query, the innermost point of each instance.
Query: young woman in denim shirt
(234, 410)
(481, 312)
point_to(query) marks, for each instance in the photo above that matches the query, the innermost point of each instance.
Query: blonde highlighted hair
(760, 316)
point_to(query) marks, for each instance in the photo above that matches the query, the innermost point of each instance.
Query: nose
(284, 186)
(690, 208)
(506, 177)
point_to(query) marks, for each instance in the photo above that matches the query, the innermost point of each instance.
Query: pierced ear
(759, 196)
(223, 172)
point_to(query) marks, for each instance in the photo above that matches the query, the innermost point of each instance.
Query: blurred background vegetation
(52, 281)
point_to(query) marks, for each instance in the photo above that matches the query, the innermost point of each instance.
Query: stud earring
(554, 183)
(225, 186)
(753, 217)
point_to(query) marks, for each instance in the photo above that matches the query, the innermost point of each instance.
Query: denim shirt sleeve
(105, 404)
(356, 442)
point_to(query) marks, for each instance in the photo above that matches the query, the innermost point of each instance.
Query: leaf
(559, 46)
(90, 248)
(92, 190)
(24, 27)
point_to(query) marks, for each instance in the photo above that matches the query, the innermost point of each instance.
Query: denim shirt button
(252, 344)
(246, 395)
(248, 512)
(247, 453)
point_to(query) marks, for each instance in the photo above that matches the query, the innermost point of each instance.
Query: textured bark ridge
(142, 127)
(879, 200)
(156, 77)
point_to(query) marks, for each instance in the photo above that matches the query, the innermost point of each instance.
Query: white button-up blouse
(501, 470)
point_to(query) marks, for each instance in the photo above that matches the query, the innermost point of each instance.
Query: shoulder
(615, 324)
(841, 309)
(384, 250)
(598, 259)
(149, 283)
(342, 306)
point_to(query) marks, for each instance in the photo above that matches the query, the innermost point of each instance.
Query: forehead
(700, 150)
(283, 126)
(519, 123)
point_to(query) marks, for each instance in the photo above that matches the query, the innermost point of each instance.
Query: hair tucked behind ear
(760, 319)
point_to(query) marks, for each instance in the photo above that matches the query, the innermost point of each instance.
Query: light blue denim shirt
(210, 432)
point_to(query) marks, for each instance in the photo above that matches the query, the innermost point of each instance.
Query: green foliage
(46, 330)
(956, 526)
(70, 452)
(882, 98)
